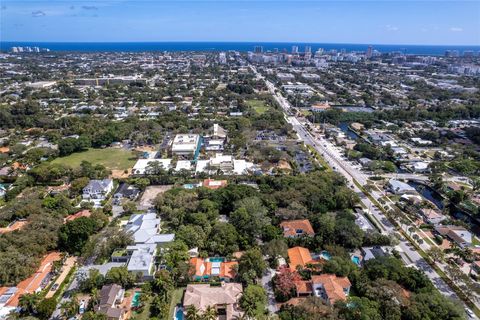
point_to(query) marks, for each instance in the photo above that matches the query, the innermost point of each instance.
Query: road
(342, 166)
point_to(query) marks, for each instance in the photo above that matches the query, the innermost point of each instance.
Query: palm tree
(28, 302)
(210, 313)
(192, 313)
(69, 308)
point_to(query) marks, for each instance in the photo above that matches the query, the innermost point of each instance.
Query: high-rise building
(294, 49)
(369, 52)
(308, 49)
(258, 49)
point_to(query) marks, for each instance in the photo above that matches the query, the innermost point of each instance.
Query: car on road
(54, 287)
(470, 313)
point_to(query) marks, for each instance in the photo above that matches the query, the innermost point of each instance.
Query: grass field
(258, 105)
(111, 158)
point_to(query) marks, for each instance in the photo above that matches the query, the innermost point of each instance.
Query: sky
(378, 22)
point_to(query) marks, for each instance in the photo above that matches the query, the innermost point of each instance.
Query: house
(111, 296)
(420, 167)
(186, 145)
(126, 191)
(300, 257)
(297, 228)
(98, 189)
(461, 236)
(432, 216)
(144, 166)
(330, 288)
(145, 229)
(398, 187)
(375, 252)
(10, 296)
(142, 260)
(204, 269)
(140, 257)
(79, 214)
(224, 298)
(217, 140)
(214, 184)
(15, 225)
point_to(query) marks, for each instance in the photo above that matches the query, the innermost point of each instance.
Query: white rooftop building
(142, 165)
(185, 144)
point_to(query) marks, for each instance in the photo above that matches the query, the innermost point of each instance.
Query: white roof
(142, 164)
(183, 164)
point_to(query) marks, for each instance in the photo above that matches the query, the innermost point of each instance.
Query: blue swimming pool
(216, 259)
(136, 299)
(356, 260)
(325, 255)
(179, 313)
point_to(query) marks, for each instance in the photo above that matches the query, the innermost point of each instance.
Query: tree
(90, 315)
(253, 301)
(223, 239)
(74, 234)
(210, 313)
(46, 307)
(94, 280)
(359, 309)
(251, 266)
(339, 266)
(69, 308)
(192, 313)
(284, 284)
(276, 248)
(120, 276)
(432, 305)
(436, 253)
(163, 284)
(250, 217)
(29, 302)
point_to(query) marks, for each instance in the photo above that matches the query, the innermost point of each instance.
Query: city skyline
(375, 22)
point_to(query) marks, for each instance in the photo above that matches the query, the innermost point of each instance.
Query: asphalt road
(334, 159)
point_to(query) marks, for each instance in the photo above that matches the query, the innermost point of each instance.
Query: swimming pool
(216, 259)
(356, 260)
(136, 299)
(325, 255)
(179, 313)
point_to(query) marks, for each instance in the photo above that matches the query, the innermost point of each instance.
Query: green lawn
(177, 295)
(258, 105)
(111, 158)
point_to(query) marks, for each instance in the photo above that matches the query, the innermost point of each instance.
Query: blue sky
(379, 22)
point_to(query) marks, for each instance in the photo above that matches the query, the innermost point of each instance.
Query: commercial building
(186, 145)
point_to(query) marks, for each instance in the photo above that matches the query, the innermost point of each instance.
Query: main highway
(333, 157)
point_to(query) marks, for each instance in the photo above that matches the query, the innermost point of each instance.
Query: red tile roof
(299, 256)
(291, 227)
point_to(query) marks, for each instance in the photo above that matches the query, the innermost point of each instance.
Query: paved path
(69, 264)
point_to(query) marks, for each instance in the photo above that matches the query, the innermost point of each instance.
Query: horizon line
(250, 42)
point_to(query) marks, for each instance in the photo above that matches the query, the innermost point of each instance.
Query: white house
(97, 189)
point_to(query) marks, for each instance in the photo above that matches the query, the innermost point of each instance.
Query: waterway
(344, 126)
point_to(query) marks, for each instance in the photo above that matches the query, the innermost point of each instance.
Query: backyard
(259, 106)
(111, 158)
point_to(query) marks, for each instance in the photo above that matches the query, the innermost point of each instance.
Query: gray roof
(98, 185)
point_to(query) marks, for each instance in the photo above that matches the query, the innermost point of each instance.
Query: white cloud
(456, 29)
(392, 28)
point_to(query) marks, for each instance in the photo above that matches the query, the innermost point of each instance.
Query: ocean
(225, 46)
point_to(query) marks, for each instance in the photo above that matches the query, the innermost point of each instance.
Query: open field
(151, 193)
(258, 105)
(111, 158)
